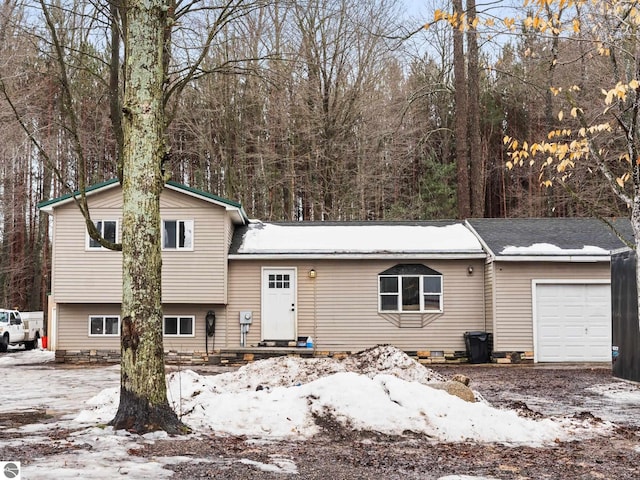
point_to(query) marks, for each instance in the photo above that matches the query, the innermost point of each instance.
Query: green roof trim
(171, 183)
(202, 193)
(68, 196)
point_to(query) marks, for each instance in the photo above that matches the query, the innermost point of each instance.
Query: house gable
(197, 274)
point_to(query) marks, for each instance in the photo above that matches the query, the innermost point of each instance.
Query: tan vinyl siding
(339, 308)
(73, 327)
(489, 296)
(198, 276)
(108, 199)
(513, 306)
(82, 275)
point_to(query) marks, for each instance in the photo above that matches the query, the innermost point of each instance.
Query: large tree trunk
(476, 157)
(143, 395)
(461, 126)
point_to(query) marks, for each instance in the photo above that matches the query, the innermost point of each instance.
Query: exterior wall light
(312, 273)
(470, 269)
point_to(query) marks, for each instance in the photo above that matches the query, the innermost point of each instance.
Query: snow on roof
(265, 238)
(549, 249)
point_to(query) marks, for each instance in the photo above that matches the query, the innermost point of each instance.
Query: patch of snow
(46, 388)
(16, 356)
(279, 465)
(466, 477)
(103, 452)
(620, 392)
(549, 249)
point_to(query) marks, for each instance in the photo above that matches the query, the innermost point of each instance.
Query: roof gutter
(356, 256)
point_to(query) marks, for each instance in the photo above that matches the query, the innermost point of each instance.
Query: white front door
(278, 304)
(573, 322)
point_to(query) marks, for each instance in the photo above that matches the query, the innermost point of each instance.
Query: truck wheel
(4, 343)
(33, 344)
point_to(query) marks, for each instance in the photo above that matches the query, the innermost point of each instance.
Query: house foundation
(242, 356)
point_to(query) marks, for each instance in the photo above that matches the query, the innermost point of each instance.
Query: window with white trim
(410, 288)
(109, 231)
(178, 326)
(104, 325)
(177, 234)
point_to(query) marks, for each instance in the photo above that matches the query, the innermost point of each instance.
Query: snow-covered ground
(381, 390)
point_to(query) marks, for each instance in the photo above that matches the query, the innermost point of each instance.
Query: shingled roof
(550, 237)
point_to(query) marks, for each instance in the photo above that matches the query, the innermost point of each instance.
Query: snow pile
(380, 390)
(295, 371)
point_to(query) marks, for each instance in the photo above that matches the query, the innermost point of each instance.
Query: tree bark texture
(476, 157)
(143, 395)
(461, 120)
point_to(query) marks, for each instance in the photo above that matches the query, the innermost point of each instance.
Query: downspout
(315, 316)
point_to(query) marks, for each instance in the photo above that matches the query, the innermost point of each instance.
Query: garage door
(573, 322)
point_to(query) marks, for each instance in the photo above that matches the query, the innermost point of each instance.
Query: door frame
(534, 301)
(294, 284)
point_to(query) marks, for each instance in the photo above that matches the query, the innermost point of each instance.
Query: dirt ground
(342, 454)
(534, 391)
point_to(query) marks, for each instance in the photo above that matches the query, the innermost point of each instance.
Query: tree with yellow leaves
(603, 133)
(600, 118)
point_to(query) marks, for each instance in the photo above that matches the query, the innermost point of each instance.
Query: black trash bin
(478, 346)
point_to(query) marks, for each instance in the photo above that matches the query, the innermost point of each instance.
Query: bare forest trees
(307, 110)
(314, 110)
(25, 180)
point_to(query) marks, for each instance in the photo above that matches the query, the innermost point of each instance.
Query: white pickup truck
(14, 330)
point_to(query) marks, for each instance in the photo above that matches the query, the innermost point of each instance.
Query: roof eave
(356, 256)
(238, 215)
(236, 210)
(47, 206)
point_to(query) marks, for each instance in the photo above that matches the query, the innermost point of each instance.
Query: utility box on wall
(625, 332)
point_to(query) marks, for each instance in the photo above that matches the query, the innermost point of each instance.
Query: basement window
(104, 325)
(182, 326)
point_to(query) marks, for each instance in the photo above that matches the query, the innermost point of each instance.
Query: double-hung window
(109, 231)
(177, 234)
(410, 288)
(104, 325)
(179, 326)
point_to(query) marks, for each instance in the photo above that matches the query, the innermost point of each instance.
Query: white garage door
(573, 322)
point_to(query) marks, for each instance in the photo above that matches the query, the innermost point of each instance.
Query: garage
(572, 322)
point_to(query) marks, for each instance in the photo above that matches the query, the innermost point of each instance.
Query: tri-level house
(322, 288)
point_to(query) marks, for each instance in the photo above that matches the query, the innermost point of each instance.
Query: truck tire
(33, 344)
(4, 343)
